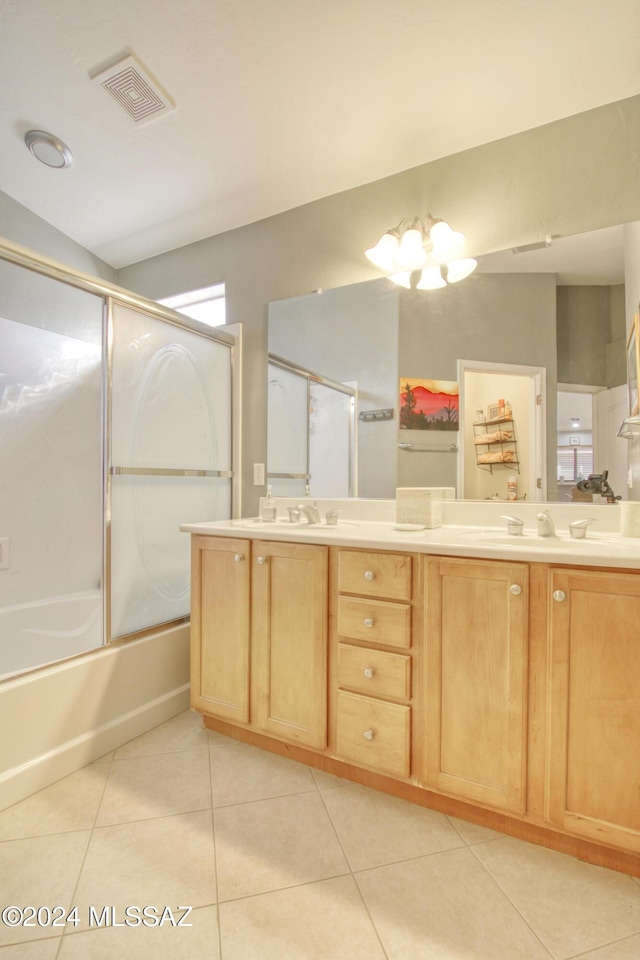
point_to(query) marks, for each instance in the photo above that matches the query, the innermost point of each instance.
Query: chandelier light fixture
(423, 255)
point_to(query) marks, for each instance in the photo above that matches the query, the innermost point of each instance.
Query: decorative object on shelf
(496, 437)
(598, 483)
(424, 255)
(429, 404)
(633, 367)
(499, 411)
(495, 443)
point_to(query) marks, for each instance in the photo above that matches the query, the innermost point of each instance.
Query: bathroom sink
(496, 538)
(531, 541)
(253, 523)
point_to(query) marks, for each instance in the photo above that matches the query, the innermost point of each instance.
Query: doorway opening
(502, 431)
(588, 421)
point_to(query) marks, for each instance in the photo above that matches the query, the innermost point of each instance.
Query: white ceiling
(592, 258)
(281, 102)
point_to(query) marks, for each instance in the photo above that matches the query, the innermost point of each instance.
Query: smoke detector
(135, 90)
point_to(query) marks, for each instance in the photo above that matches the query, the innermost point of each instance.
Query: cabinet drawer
(375, 620)
(374, 672)
(375, 574)
(374, 733)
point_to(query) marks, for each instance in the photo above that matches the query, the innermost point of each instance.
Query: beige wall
(499, 317)
(591, 335)
(23, 227)
(563, 178)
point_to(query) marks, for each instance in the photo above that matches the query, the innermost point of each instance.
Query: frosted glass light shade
(431, 279)
(447, 243)
(382, 255)
(410, 253)
(459, 269)
(402, 279)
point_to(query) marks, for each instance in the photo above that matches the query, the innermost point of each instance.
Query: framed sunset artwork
(429, 404)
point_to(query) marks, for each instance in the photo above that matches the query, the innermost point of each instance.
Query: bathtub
(46, 631)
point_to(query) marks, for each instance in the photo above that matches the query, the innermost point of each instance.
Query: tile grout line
(603, 946)
(215, 856)
(353, 875)
(84, 858)
(512, 904)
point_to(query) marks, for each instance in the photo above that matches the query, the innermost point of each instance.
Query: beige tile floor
(281, 862)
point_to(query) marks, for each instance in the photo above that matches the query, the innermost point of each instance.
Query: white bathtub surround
(62, 717)
(46, 631)
(419, 505)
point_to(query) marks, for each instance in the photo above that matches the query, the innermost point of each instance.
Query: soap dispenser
(268, 508)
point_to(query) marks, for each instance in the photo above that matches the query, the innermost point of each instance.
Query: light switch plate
(258, 474)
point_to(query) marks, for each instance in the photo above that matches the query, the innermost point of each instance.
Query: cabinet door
(220, 572)
(594, 765)
(289, 609)
(475, 737)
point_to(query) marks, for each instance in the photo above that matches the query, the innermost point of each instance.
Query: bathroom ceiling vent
(135, 90)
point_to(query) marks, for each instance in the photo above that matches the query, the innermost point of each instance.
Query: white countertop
(488, 539)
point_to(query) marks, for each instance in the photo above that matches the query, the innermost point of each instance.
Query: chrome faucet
(310, 511)
(546, 526)
(578, 528)
(514, 525)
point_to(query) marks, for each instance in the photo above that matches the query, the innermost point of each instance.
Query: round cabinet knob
(368, 622)
(368, 735)
(369, 672)
(515, 589)
(559, 595)
(369, 575)
(262, 560)
(238, 558)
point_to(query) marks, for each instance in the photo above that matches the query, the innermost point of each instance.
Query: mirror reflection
(535, 340)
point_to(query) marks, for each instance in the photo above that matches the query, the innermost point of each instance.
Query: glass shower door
(287, 432)
(170, 461)
(310, 433)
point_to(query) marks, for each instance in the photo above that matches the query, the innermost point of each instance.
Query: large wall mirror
(540, 329)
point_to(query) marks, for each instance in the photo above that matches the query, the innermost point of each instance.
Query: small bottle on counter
(268, 508)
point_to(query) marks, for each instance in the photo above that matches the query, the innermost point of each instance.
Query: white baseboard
(40, 772)
(71, 713)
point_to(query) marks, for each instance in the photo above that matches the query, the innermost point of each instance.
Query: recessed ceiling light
(48, 149)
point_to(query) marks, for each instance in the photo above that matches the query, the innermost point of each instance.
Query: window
(574, 463)
(206, 305)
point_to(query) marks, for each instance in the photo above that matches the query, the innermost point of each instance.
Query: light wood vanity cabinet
(259, 635)
(476, 673)
(220, 627)
(289, 636)
(374, 594)
(435, 679)
(594, 724)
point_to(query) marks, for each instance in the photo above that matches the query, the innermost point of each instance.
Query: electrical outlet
(258, 474)
(4, 553)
